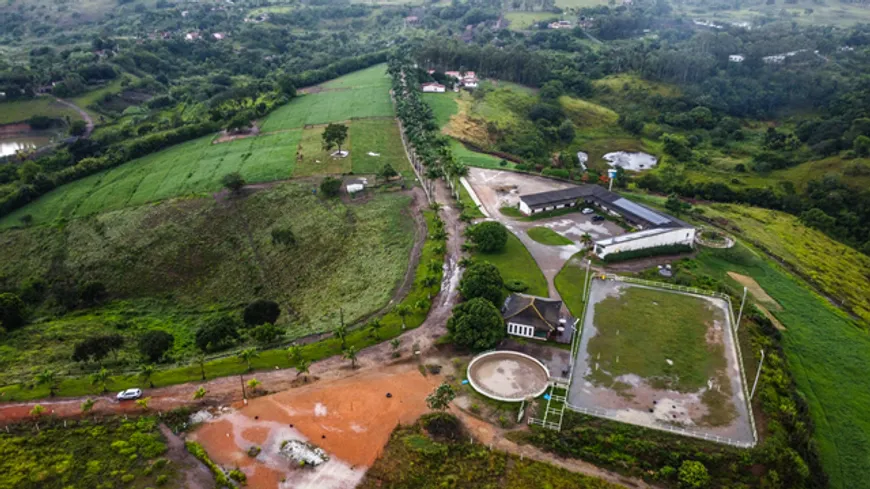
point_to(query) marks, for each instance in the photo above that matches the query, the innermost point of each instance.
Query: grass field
(413, 459)
(516, 263)
(641, 329)
(358, 95)
(548, 237)
(199, 257)
(379, 136)
(312, 159)
(569, 284)
(471, 208)
(24, 109)
(193, 167)
(443, 106)
(826, 353)
(62, 455)
(473, 158)
(525, 20)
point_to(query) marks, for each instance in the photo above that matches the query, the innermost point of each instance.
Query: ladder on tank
(555, 409)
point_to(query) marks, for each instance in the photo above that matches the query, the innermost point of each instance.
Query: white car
(588, 210)
(129, 394)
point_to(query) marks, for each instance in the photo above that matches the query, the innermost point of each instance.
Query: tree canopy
(476, 324)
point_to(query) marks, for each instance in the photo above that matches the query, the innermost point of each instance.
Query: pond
(631, 161)
(12, 144)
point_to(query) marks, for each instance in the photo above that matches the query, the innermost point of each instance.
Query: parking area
(496, 189)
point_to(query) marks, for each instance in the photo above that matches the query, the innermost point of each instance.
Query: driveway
(496, 189)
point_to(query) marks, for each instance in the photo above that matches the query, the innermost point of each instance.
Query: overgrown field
(838, 270)
(25, 109)
(113, 453)
(414, 459)
(527, 20)
(355, 96)
(203, 257)
(189, 168)
(515, 262)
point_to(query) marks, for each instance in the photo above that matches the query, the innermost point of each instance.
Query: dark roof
(352, 181)
(631, 211)
(543, 314)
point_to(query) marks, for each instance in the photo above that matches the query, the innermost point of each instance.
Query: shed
(355, 185)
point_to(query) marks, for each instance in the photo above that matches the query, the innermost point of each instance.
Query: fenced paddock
(623, 370)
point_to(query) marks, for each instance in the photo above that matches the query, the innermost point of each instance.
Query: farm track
(89, 123)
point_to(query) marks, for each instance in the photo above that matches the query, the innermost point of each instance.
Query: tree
(302, 367)
(489, 236)
(631, 123)
(49, 379)
(100, 379)
(395, 343)
(286, 85)
(253, 384)
(11, 311)
(676, 206)
(143, 403)
(552, 90)
(78, 128)
(482, 280)
(350, 354)
(693, 475)
(261, 311)
(92, 293)
(861, 145)
(217, 334)
(403, 311)
(388, 172)
(677, 146)
(88, 405)
(154, 344)
(586, 240)
(294, 354)
(330, 186)
(199, 393)
(266, 333)
(245, 356)
(441, 397)
(375, 326)
(241, 122)
(566, 131)
(200, 359)
(146, 372)
(233, 181)
(476, 324)
(96, 348)
(334, 135)
(341, 334)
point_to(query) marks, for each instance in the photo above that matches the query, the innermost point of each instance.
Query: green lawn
(25, 109)
(516, 263)
(194, 167)
(471, 208)
(443, 106)
(83, 453)
(525, 20)
(412, 459)
(312, 159)
(826, 352)
(548, 237)
(357, 95)
(381, 137)
(569, 283)
(473, 158)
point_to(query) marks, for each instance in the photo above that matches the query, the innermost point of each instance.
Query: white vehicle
(129, 394)
(588, 210)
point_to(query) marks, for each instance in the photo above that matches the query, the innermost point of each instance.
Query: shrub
(154, 344)
(330, 186)
(238, 476)
(92, 293)
(162, 480)
(11, 311)
(217, 334)
(254, 451)
(516, 285)
(693, 475)
(128, 478)
(261, 311)
(655, 251)
(482, 280)
(233, 181)
(489, 236)
(476, 324)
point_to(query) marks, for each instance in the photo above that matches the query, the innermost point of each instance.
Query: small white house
(736, 58)
(355, 185)
(433, 87)
(561, 24)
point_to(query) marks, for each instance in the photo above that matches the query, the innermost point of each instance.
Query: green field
(638, 331)
(109, 453)
(548, 237)
(24, 109)
(473, 158)
(193, 167)
(312, 159)
(569, 284)
(414, 459)
(381, 137)
(525, 20)
(443, 106)
(515, 262)
(180, 262)
(357, 95)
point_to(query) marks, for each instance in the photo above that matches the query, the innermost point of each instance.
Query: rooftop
(543, 314)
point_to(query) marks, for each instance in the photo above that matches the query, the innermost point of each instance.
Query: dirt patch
(776, 324)
(464, 127)
(14, 129)
(226, 137)
(350, 418)
(756, 290)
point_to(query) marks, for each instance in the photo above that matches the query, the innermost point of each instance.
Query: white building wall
(524, 208)
(431, 88)
(684, 236)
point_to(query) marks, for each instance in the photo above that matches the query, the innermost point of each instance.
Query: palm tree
(146, 372)
(395, 343)
(200, 359)
(37, 411)
(586, 239)
(245, 356)
(341, 334)
(199, 394)
(350, 354)
(253, 384)
(434, 266)
(101, 378)
(47, 377)
(295, 354)
(88, 405)
(422, 305)
(143, 403)
(435, 206)
(375, 326)
(302, 368)
(402, 310)
(428, 282)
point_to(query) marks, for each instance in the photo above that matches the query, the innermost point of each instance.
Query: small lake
(631, 161)
(12, 144)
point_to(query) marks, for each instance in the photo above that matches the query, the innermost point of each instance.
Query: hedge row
(647, 252)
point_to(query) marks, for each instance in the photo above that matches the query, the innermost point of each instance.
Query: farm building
(736, 58)
(467, 79)
(355, 185)
(656, 229)
(433, 87)
(537, 318)
(561, 24)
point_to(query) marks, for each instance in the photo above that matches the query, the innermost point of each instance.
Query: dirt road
(89, 123)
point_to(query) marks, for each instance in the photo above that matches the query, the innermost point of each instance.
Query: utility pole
(586, 282)
(757, 375)
(740, 314)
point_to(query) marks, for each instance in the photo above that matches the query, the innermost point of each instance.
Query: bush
(693, 475)
(443, 426)
(476, 324)
(233, 181)
(261, 311)
(330, 186)
(238, 476)
(162, 480)
(266, 333)
(92, 293)
(489, 236)
(154, 344)
(217, 334)
(516, 286)
(646, 252)
(482, 280)
(11, 311)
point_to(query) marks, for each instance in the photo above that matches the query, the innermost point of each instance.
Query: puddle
(631, 161)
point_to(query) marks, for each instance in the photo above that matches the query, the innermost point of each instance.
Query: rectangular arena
(663, 359)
